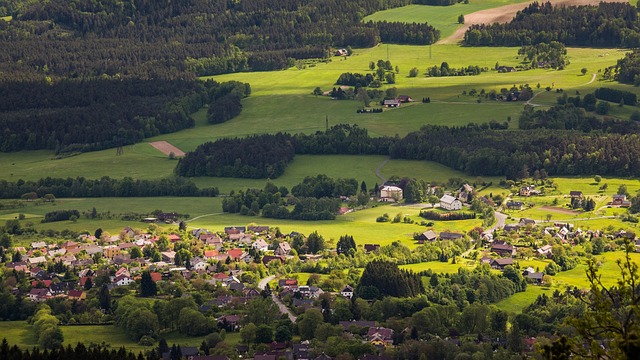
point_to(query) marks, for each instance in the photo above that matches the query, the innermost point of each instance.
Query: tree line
(603, 25)
(571, 114)
(103, 187)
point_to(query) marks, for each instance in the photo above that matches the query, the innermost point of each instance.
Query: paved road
(283, 309)
(378, 171)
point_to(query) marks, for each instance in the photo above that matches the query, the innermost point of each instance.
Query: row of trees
(446, 216)
(606, 25)
(103, 187)
(445, 70)
(570, 114)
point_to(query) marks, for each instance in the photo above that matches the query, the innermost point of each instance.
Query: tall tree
(147, 286)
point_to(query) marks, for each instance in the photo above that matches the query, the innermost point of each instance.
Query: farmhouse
(500, 264)
(371, 247)
(515, 205)
(428, 235)
(392, 103)
(448, 202)
(575, 194)
(341, 52)
(390, 193)
(283, 249)
(511, 227)
(503, 249)
(404, 98)
(347, 292)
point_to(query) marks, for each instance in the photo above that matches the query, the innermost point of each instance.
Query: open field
(443, 18)
(281, 101)
(20, 333)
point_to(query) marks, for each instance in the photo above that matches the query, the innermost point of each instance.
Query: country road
(283, 309)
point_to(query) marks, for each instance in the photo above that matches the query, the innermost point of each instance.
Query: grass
(20, 333)
(440, 267)
(443, 18)
(516, 303)
(6, 18)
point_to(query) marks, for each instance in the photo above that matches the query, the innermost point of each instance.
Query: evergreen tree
(147, 286)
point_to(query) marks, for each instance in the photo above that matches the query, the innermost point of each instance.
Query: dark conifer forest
(604, 25)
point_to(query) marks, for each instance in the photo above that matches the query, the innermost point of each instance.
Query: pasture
(443, 18)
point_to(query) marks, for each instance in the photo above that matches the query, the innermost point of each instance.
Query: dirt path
(593, 78)
(166, 148)
(504, 14)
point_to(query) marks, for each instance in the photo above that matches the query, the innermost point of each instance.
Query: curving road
(378, 171)
(282, 307)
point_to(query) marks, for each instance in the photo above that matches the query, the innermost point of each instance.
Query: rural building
(341, 52)
(448, 202)
(450, 236)
(371, 247)
(391, 103)
(515, 205)
(500, 264)
(390, 193)
(347, 292)
(575, 194)
(428, 235)
(503, 249)
(404, 98)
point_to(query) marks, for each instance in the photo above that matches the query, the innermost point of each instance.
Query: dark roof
(450, 236)
(360, 323)
(371, 247)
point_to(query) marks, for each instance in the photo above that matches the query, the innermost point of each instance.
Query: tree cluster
(628, 68)
(103, 187)
(383, 278)
(446, 216)
(604, 25)
(225, 100)
(256, 157)
(60, 215)
(548, 55)
(616, 96)
(445, 70)
(569, 115)
(323, 186)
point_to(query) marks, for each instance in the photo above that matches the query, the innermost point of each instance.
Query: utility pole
(326, 121)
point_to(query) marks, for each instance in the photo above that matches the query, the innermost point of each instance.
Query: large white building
(448, 202)
(390, 193)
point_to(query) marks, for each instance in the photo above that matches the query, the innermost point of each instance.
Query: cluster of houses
(115, 251)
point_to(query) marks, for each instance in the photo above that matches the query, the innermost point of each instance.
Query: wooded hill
(604, 25)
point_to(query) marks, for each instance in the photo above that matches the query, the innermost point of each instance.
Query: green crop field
(443, 18)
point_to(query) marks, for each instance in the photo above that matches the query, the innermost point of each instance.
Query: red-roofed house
(174, 237)
(235, 254)
(155, 276)
(77, 295)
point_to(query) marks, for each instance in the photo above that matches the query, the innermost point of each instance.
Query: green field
(20, 333)
(443, 18)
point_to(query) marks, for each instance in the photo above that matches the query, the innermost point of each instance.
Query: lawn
(440, 267)
(20, 333)
(443, 18)
(515, 303)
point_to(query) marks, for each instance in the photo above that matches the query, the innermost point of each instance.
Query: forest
(81, 187)
(604, 25)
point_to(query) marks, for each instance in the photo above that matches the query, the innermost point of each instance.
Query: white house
(260, 245)
(448, 202)
(123, 280)
(390, 193)
(347, 292)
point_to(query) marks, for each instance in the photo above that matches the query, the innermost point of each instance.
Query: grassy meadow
(443, 18)
(20, 333)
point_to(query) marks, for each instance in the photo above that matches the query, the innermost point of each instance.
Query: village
(239, 264)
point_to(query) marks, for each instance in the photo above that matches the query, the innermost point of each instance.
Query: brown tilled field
(505, 14)
(167, 148)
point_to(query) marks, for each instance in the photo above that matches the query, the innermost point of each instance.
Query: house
(450, 236)
(168, 218)
(123, 280)
(501, 263)
(208, 254)
(36, 260)
(212, 240)
(173, 238)
(526, 221)
(287, 283)
(341, 52)
(77, 295)
(503, 69)
(110, 251)
(391, 103)
(515, 205)
(428, 235)
(390, 193)
(235, 254)
(232, 321)
(39, 295)
(464, 192)
(168, 256)
(234, 230)
(526, 190)
(198, 264)
(575, 194)
(545, 251)
(380, 336)
(448, 202)
(347, 292)
(404, 98)
(620, 200)
(260, 245)
(38, 245)
(511, 227)
(503, 249)
(371, 247)
(258, 229)
(535, 277)
(268, 258)
(283, 249)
